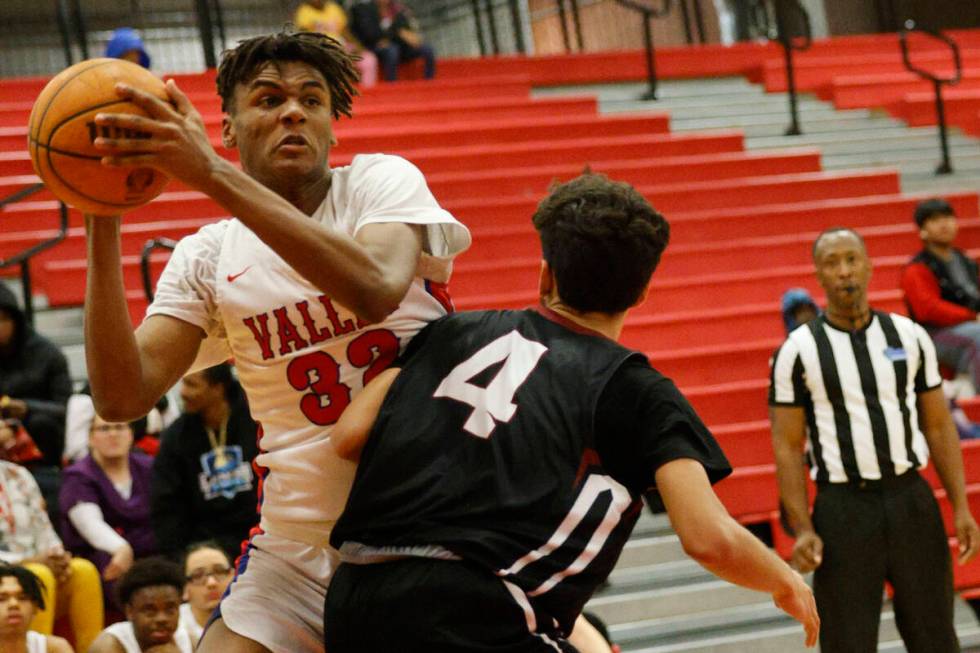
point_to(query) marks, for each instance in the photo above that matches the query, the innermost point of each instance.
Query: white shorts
(277, 596)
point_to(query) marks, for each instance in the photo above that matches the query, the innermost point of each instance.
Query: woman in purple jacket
(105, 501)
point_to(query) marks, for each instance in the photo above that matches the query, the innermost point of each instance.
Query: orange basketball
(62, 131)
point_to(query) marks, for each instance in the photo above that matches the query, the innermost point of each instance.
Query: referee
(860, 391)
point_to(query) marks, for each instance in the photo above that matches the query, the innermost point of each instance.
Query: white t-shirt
(36, 642)
(126, 636)
(300, 356)
(189, 623)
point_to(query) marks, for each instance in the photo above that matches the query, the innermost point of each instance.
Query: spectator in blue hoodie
(798, 308)
(125, 43)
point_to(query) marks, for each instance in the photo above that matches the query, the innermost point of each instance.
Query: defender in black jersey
(504, 455)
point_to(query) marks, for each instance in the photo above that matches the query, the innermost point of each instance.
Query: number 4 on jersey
(495, 402)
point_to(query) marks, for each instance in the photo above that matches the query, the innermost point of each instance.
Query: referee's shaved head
(832, 231)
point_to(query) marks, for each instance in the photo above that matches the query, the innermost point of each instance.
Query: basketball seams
(50, 100)
(34, 134)
(45, 154)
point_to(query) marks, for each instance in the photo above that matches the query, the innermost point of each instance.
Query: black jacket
(186, 504)
(33, 369)
(366, 25)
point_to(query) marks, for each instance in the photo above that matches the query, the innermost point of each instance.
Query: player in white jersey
(313, 288)
(21, 596)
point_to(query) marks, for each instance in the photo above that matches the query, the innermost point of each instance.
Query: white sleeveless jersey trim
(124, 634)
(300, 356)
(36, 642)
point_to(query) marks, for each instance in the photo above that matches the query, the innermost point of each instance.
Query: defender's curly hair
(603, 241)
(241, 64)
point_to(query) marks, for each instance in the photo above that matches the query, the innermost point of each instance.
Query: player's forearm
(740, 558)
(791, 475)
(331, 260)
(111, 353)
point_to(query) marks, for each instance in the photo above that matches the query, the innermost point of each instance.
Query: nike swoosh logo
(232, 277)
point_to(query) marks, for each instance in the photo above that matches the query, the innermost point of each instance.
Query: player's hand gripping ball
(62, 132)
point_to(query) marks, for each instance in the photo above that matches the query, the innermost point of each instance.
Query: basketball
(62, 131)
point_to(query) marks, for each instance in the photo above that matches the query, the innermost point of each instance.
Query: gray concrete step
(643, 551)
(710, 595)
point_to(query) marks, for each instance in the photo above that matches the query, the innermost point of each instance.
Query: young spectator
(797, 307)
(387, 28)
(150, 594)
(203, 487)
(328, 17)
(208, 571)
(27, 538)
(34, 388)
(105, 501)
(942, 290)
(125, 43)
(21, 596)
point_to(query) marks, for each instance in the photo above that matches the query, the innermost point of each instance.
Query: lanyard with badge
(218, 442)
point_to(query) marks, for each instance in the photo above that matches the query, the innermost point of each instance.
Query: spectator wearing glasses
(208, 571)
(105, 501)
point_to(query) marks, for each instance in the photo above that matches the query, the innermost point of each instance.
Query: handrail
(790, 44)
(152, 244)
(925, 74)
(945, 166)
(23, 259)
(649, 13)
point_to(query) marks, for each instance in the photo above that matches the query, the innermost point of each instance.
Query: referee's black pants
(877, 531)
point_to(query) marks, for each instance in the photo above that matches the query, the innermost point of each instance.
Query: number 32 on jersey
(494, 403)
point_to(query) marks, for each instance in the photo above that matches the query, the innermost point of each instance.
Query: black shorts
(420, 605)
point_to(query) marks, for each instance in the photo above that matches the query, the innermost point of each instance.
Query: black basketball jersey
(486, 448)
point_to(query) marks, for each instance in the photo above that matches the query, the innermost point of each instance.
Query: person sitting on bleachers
(387, 28)
(203, 487)
(797, 307)
(328, 17)
(150, 594)
(208, 571)
(942, 291)
(34, 388)
(27, 538)
(105, 501)
(21, 597)
(146, 432)
(125, 43)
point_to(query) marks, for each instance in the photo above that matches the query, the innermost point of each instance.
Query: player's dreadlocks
(243, 63)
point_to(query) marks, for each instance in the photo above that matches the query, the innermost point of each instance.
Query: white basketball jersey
(126, 636)
(36, 642)
(300, 355)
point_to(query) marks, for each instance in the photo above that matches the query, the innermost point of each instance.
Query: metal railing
(786, 11)
(23, 259)
(946, 166)
(649, 13)
(148, 248)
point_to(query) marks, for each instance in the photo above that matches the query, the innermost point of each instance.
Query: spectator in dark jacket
(942, 290)
(203, 486)
(387, 28)
(34, 389)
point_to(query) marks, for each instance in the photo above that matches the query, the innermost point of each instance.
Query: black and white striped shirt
(859, 390)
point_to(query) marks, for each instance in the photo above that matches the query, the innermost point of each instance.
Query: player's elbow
(711, 546)
(118, 409)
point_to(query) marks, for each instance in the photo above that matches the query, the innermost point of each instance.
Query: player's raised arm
(128, 372)
(721, 545)
(370, 272)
